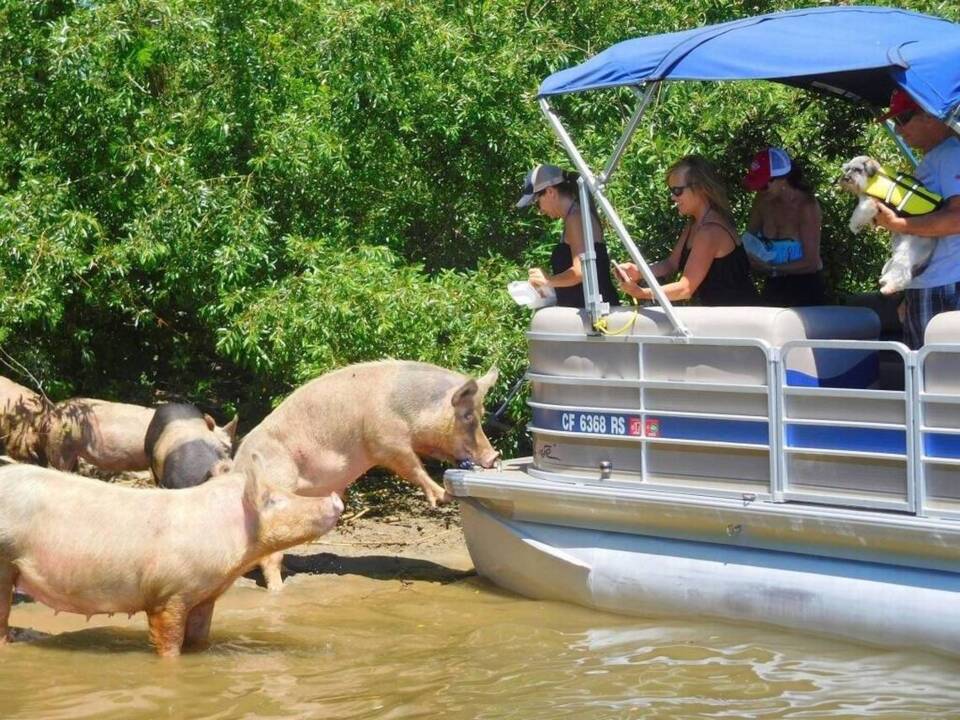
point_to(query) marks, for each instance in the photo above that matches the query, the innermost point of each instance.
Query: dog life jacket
(903, 193)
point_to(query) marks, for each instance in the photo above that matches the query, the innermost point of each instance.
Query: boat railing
(741, 417)
(936, 412)
(847, 445)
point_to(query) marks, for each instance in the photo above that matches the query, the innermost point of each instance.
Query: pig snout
(482, 454)
(331, 509)
(488, 457)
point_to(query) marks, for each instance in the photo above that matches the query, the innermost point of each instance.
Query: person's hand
(887, 218)
(630, 287)
(537, 278)
(631, 271)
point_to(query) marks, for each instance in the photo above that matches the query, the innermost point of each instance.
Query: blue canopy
(856, 52)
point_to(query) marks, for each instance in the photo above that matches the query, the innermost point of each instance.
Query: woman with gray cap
(556, 194)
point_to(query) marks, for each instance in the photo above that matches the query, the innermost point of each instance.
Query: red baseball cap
(900, 102)
(767, 164)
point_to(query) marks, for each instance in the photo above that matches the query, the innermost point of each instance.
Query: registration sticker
(592, 423)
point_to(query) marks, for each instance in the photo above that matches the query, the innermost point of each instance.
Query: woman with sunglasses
(712, 265)
(556, 194)
(785, 218)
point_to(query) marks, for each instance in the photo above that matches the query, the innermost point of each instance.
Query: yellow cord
(601, 324)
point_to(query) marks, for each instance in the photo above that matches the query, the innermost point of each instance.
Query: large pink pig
(82, 546)
(108, 435)
(336, 427)
(22, 418)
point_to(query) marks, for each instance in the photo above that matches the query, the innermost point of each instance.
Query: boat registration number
(601, 423)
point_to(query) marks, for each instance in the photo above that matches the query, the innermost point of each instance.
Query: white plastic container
(523, 293)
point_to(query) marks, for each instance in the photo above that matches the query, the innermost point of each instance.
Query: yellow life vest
(903, 193)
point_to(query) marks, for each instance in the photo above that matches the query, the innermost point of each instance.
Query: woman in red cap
(712, 264)
(785, 218)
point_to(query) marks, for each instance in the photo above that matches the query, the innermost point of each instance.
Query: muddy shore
(411, 541)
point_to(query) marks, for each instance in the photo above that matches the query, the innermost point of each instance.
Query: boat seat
(886, 308)
(943, 328)
(941, 369)
(718, 362)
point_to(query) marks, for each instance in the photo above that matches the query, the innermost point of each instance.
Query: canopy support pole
(901, 143)
(628, 132)
(953, 119)
(614, 219)
(593, 300)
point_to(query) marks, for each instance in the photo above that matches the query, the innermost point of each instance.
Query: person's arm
(945, 221)
(706, 244)
(810, 224)
(667, 267)
(755, 223)
(755, 227)
(662, 268)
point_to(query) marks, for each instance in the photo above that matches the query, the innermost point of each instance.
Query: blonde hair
(701, 177)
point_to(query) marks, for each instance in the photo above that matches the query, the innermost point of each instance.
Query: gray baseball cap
(537, 180)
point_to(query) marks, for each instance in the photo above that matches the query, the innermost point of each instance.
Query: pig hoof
(274, 583)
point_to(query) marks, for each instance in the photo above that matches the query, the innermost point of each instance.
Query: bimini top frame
(807, 48)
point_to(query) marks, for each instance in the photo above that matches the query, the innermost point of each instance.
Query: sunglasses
(904, 117)
(677, 190)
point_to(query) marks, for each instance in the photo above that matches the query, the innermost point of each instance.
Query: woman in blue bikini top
(783, 233)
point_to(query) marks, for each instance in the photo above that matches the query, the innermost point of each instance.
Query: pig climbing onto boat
(329, 432)
(108, 435)
(185, 447)
(80, 545)
(23, 414)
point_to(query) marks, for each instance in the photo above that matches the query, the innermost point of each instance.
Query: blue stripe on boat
(652, 425)
(941, 445)
(715, 430)
(829, 437)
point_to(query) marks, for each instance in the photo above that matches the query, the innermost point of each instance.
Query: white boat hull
(633, 574)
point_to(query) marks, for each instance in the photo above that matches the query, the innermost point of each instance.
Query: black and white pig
(185, 447)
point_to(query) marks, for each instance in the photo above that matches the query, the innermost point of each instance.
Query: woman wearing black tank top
(556, 194)
(712, 264)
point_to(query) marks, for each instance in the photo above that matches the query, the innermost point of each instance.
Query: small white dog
(908, 253)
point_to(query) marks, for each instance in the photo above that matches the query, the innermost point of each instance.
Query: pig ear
(211, 423)
(464, 394)
(486, 382)
(231, 427)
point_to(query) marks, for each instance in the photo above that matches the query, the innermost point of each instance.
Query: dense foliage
(217, 199)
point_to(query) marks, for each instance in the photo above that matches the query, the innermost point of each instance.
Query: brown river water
(356, 645)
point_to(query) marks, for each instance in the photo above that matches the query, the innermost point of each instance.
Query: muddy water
(353, 646)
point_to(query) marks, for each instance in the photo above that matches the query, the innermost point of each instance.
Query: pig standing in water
(336, 427)
(185, 447)
(22, 417)
(108, 435)
(82, 546)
